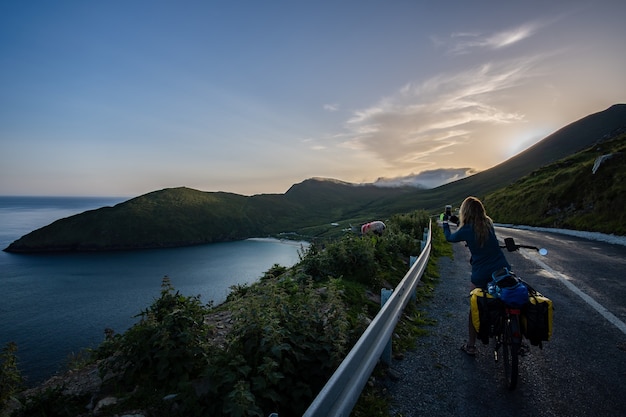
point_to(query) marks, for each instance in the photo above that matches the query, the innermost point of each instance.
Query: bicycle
(507, 330)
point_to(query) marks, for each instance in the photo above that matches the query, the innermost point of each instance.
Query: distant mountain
(325, 199)
(183, 216)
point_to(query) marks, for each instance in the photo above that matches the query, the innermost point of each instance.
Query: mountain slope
(564, 142)
(577, 192)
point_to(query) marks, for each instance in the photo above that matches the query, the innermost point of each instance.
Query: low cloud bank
(426, 179)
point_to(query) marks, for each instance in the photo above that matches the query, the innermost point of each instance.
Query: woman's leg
(471, 338)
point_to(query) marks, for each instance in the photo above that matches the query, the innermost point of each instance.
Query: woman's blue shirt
(486, 259)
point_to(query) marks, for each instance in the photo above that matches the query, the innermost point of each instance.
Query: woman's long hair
(473, 212)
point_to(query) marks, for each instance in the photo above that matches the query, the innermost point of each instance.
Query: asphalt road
(581, 371)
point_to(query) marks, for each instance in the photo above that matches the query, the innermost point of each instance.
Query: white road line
(567, 282)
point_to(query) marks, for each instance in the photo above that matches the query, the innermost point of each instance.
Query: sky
(121, 98)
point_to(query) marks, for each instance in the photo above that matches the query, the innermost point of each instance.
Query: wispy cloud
(461, 43)
(313, 144)
(510, 37)
(421, 120)
(331, 107)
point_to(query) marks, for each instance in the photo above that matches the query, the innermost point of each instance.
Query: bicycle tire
(510, 356)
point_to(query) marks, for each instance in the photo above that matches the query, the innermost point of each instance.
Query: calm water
(53, 305)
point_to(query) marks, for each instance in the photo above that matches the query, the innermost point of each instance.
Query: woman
(476, 228)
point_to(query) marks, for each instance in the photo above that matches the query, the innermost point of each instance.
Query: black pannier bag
(536, 318)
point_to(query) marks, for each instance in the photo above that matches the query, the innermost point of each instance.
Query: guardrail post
(424, 238)
(385, 294)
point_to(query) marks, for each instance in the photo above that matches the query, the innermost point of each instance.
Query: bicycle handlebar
(511, 246)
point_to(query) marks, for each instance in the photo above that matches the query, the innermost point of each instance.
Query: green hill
(570, 193)
(183, 216)
(166, 218)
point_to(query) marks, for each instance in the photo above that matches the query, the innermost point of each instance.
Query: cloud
(313, 144)
(331, 107)
(420, 121)
(427, 179)
(462, 43)
(510, 37)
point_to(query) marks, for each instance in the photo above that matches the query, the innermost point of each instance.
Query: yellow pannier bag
(536, 319)
(485, 311)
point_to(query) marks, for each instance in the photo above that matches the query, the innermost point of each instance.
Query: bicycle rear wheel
(510, 354)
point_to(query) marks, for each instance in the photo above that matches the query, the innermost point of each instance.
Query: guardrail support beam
(385, 294)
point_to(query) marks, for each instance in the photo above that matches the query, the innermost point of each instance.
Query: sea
(55, 306)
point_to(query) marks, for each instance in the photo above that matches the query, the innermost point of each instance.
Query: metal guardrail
(344, 387)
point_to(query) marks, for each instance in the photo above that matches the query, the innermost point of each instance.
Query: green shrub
(240, 290)
(275, 271)
(10, 377)
(167, 349)
(350, 257)
(287, 339)
(369, 258)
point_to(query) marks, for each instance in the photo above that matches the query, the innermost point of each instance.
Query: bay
(55, 305)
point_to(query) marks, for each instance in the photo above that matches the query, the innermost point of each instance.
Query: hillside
(166, 218)
(183, 216)
(578, 192)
